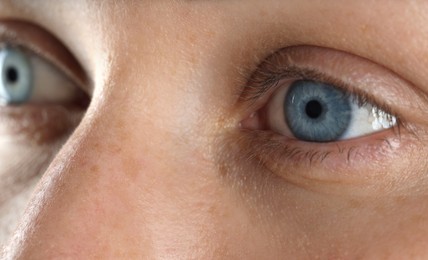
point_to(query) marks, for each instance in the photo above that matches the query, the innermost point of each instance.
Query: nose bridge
(87, 204)
(114, 191)
(123, 185)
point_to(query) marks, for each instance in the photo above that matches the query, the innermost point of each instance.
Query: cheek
(29, 139)
(11, 210)
(20, 169)
(330, 218)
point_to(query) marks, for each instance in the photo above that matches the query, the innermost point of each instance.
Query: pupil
(313, 109)
(12, 75)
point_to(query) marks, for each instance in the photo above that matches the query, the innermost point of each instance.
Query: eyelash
(34, 39)
(267, 79)
(258, 87)
(59, 118)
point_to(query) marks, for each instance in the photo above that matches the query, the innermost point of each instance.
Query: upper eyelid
(37, 40)
(294, 73)
(379, 86)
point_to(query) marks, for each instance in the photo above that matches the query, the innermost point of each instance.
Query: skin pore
(161, 164)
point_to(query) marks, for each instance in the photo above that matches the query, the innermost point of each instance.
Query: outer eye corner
(311, 105)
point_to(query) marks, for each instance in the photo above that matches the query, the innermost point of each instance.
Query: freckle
(212, 210)
(132, 174)
(115, 148)
(418, 219)
(119, 124)
(380, 209)
(355, 204)
(365, 29)
(83, 162)
(193, 60)
(191, 39)
(94, 169)
(96, 147)
(400, 200)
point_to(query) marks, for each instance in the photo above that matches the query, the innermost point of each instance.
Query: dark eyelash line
(272, 152)
(268, 156)
(270, 74)
(82, 100)
(276, 71)
(33, 39)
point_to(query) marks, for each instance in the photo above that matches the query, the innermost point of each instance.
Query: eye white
(368, 119)
(27, 77)
(365, 119)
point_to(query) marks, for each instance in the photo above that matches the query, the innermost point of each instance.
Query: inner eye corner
(316, 110)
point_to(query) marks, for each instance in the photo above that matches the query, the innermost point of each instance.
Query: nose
(123, 187)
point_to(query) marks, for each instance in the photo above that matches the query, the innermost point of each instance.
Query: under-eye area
(42, 100)
(38, 98)
(236, 129)
(308, 106)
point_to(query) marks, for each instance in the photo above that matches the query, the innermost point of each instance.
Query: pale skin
(159, 165)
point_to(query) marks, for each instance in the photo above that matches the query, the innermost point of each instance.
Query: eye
(27, 78)
(42, 100)
(16, 76)
(308, 105)
(316, 116)
(314, 111)
(316, 95)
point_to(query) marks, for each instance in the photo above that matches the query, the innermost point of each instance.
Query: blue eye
(313, 111)
(16, 83)
(317, 112)
(29, 78)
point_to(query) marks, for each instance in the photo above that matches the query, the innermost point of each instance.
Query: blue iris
(15, 76)
(317, 112)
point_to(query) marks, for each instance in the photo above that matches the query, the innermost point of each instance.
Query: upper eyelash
(34, 39)
(270, 74)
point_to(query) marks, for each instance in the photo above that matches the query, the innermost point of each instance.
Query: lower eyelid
(323, 162)
(378, 84)
(37, 123)
(16, 175)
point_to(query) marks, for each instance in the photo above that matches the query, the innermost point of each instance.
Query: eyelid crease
(30, 37)
(269, 77)
(262, 86)
(281, 66)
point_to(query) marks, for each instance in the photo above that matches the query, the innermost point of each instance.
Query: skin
(156, 168)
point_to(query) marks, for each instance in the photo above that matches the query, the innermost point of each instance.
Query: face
(214, 129)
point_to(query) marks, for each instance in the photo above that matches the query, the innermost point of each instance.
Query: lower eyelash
(270, 147)
(269, 76)
(268, 79)
(276, 152)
